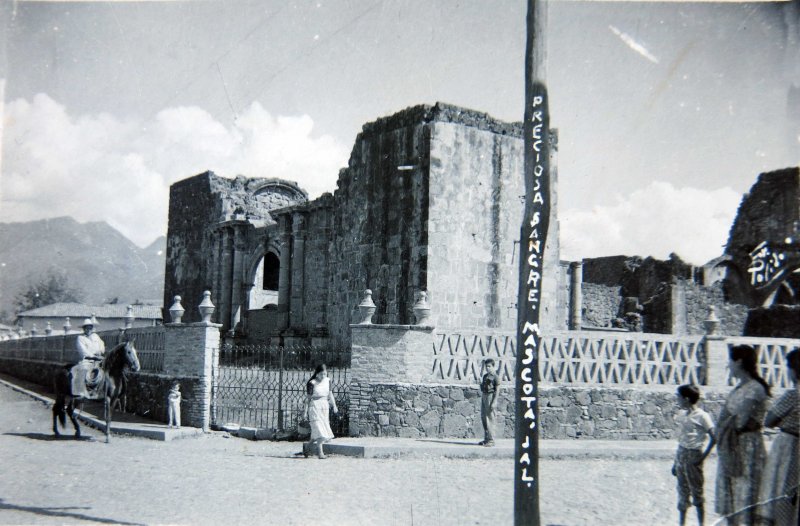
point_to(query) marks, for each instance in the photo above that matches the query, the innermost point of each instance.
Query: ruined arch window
(272, 268)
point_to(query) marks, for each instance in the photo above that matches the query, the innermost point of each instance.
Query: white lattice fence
(631, 359)
(575, 358)
(458, 357)
(771, 357)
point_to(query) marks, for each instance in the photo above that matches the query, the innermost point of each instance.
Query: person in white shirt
(90, 349)
(89, 345)
(693, 425)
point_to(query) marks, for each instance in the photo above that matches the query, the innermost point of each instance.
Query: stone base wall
(147, 393)
(35, 371)
(147, 396)
(453, 411)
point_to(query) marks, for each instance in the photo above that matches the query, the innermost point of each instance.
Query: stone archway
(263, 271)
(264, 281)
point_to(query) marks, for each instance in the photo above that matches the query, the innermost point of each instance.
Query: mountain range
(98, 262)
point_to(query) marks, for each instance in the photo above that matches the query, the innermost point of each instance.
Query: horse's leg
(72, 418)
(107, 413)
(58, 413)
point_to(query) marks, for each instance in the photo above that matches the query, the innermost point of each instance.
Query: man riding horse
(90, 349)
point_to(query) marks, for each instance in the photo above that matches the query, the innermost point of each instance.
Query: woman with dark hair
(319, 401)
(740, 446)
(779, 484)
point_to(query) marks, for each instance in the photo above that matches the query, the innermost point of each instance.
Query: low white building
(61, 317)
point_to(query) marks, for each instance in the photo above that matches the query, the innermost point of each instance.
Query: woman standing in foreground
(740, 446)
(779, 485)
(319, 400)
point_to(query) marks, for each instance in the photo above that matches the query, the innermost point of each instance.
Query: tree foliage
(53, 288)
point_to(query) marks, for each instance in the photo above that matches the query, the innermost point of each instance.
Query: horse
(121, 356)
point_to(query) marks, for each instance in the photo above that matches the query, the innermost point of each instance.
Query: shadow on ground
(471, 444)
(49, 437)
(62, 512)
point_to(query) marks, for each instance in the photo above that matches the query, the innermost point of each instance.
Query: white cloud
(653, 221)
(102, 168)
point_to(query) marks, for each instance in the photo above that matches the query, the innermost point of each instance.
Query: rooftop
(80, 310)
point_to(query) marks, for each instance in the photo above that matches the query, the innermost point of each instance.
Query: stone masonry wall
(473, 234)
(147, 396)
(317, 267)
(601, 304)
(442, 411)
(191, 352)
(192, 208)
(378, 233)
(732, 316)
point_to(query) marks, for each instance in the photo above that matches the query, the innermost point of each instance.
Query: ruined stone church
(431, 201)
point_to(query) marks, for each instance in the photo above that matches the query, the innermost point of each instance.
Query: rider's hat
(87, 321)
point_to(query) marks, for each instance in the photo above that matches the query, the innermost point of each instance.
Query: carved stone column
(284, 275)
(237, 274)
(224, 303)
(216, 265)
(298, 270)
(576, 296)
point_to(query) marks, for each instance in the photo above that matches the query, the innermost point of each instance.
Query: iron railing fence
(264, 386)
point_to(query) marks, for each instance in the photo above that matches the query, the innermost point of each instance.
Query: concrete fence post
(190, 352)
(716, 348)
(384, 355)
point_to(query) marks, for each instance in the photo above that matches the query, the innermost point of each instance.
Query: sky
(666, 112)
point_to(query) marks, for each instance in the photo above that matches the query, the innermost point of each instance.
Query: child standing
(174, 405)
(490, 384)
(693, 425)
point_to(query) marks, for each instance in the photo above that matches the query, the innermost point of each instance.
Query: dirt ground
(215, 479)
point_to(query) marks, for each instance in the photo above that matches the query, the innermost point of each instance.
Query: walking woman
(319, 401)
(740, 446)
(779, 485)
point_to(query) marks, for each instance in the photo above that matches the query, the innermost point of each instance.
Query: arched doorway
(264, 293)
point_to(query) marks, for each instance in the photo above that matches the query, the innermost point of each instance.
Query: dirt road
(217, 480)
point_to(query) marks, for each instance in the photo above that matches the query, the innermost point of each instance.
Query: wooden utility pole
(533, 235)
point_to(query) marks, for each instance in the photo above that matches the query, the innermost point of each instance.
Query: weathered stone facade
(215, 239)
(769, 213)
(430, 201)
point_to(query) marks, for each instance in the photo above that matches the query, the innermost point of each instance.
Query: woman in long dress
(779, 483)
(740, 446)
(319, 401)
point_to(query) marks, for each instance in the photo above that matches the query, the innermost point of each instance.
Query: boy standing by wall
(693, 426)
(490, 384)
